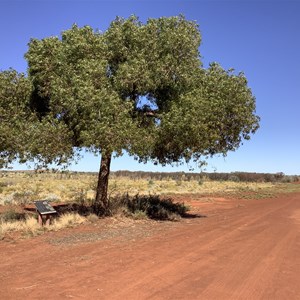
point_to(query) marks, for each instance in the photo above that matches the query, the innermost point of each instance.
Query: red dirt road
(242, 249)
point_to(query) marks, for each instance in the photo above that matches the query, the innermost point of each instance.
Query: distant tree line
(234, 176)
(182, 176)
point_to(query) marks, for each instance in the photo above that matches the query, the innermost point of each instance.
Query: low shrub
(234, 178)
(141, 206)
(289, 179)
(117, 204)
(11, 215)
(5, 184)
(92, 218)
(156, 208)
(138, 215)
(150, 182)
(23, 198)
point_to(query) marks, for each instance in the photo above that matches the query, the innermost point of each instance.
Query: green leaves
(23, 136)
(212, 118)
(84, 89)
(14, 92)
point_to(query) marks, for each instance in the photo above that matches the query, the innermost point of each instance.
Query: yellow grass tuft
(67, 220)
(31, 226)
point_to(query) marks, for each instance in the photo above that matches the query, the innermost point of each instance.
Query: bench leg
(47, 220)
(40, 220)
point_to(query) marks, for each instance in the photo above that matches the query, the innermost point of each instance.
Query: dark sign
(44, 208)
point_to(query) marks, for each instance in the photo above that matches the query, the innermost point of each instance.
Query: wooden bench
(45, 211)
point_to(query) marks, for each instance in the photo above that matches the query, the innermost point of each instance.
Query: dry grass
(165, 187)
(23, 188)
(30, 225)
(67, 220)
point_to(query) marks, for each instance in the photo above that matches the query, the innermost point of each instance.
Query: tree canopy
(135, 87)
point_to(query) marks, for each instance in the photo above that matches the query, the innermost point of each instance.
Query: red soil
(242, 249)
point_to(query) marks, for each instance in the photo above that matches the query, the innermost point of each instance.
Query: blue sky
(260, 38)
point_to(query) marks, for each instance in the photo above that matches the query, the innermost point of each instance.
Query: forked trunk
(101, 205)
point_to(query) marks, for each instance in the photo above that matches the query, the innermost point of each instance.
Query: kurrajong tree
(139, 88)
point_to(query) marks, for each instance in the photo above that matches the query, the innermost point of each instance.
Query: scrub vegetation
(22, 188)
(135, 195)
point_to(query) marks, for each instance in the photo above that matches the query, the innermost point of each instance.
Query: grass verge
(137, 207)
(30, 227)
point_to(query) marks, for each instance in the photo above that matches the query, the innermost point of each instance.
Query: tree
(139, 88)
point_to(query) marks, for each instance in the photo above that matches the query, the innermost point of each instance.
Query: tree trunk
(101, 205)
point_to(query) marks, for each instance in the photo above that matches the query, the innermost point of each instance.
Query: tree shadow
(193, 216)
(152, 206)
(63, 208)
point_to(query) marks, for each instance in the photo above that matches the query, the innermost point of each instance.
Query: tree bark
(101, 205)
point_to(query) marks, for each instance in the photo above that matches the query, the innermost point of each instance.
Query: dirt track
(242, 249)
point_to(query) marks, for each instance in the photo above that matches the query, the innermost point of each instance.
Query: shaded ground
(234, 249)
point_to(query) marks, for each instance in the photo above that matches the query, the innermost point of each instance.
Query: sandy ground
(233, 249)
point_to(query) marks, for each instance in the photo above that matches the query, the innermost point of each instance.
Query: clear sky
(260, 38)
